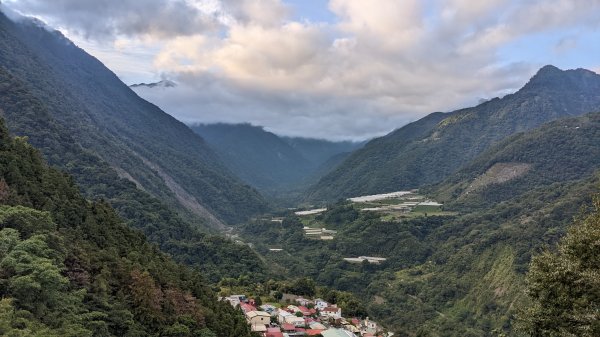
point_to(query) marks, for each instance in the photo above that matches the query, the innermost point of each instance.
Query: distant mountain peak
(547, 72)
(551, 77)
(161, 84)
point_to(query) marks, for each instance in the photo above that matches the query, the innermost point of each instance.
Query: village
(298, 316)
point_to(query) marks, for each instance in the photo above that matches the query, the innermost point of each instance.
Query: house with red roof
(304, 310)
(313, 332)
(247, 307)
(288, 327)
(332, 312)
(273, 332)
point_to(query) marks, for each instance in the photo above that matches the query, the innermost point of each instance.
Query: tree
(564, 285)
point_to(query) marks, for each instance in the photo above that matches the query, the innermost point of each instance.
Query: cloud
(379, 65)
(566, 44)
(111, 18)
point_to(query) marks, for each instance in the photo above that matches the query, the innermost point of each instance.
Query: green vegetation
(429, 150)
(69, 267)
(131, 137)
(564, 284)
(560, 151)
(460, 274)
(185, 240)
(277, 166)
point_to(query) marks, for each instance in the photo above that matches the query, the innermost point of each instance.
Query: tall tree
(564, 285)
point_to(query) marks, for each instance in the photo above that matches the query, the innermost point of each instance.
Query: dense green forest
(460, 273)
(149, 256)
(70, 267)
(559, 151)
(563, 284)
(429, 150)
(277, 166)
(187, 242)
(106, 118)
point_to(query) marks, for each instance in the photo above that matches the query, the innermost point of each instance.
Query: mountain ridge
(427, 151)
(107, 117)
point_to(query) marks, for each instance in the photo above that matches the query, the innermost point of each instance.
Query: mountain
(159, 84)
(267, 161)
(459, 272)
(135, 138)
(260, 158)
(73, 268)
(30, 110)
(560, 151)
(427, 151)
(319, 151)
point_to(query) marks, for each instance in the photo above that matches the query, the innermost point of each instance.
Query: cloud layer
(382, 64)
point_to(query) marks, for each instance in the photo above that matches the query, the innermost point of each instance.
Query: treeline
(69, 267)
(185, 239)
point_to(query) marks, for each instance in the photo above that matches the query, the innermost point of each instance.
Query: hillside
(459, 271)
(320, 151)
(429, 150)
(162, 225)
(267, 161)
(260, 158)
(74, 268)
(178, 233)
(135, 138)
(560, 151)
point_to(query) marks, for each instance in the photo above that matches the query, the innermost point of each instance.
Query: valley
(118, 219)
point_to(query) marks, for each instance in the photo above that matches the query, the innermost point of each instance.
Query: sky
(333, 69)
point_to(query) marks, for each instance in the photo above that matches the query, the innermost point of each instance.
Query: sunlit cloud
(377, 66)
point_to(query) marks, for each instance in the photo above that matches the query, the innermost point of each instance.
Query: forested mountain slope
(561, 151)
(260, 158)
(427, 151)
(460, 272)
(319, 151)
(273, 164)
(184, 240)
(135, 138)
(74, 268)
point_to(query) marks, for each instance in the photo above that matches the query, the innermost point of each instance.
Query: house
(351, 328)
(282, 315)
(320, 304)
(273, 332)
(317, 326)
(258, 318)
(236, 300)
(303, 301)
(247, 307)
(292, 308)
(304, 310)
(258, 328)
(288, 327)
(332, 312)
(296, 321)
(337, 333)
(268, 308)
(368, 327)
(313, 332)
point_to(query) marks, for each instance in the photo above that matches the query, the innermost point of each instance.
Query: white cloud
(106, 19)
(381, 64)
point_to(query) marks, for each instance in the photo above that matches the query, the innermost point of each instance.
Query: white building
(281, 316)
(332, 312)
(258, 318)
(298, 322)
(320, 304)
